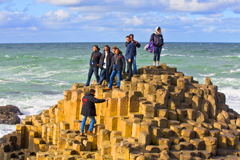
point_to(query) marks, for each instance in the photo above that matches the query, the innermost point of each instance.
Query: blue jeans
(157, 52)
(90, 72)
(102, 76)
(119, 75)
(91, 124)
(134, 65)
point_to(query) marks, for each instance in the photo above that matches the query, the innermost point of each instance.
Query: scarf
(156, 31)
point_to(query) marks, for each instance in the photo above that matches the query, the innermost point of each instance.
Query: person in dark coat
(138, 45)
(118, 66)
(89, 110)
(104, 64)
(129, 55)
(94, 64)
(114, 50)
(157, 39)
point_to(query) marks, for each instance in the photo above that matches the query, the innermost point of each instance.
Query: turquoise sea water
(34, 76)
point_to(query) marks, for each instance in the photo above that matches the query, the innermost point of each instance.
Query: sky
(32, 21)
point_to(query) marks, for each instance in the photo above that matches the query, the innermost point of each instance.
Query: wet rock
(9, 114)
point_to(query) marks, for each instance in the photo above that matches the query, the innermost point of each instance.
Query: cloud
(161, 6)
(59, 15)
(209, 30)
(60, 2)
(120, 17)
(14, 19)
(133, 21)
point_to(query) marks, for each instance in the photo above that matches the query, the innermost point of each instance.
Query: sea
(33, 76)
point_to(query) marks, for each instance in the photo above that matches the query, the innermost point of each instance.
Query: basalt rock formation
(159, 114)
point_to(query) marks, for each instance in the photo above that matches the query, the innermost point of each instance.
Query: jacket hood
(88, 94)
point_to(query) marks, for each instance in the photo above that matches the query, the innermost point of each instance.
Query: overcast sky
(111, 20)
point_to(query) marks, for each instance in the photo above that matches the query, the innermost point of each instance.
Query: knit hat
(92, 90)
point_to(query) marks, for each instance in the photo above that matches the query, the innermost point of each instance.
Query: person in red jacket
(89, 110)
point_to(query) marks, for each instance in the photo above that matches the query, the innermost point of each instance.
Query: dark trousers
(157, 52)
(104, 75)
(130, 71)
(90, 72)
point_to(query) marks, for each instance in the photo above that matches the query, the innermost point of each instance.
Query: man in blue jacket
(117, 66)
(129, 55)
(94, 64)
(136, 44)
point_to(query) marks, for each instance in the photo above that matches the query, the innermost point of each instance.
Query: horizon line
(104, 42)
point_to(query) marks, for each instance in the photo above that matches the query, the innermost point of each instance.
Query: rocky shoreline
(9, 114)
(159, 114)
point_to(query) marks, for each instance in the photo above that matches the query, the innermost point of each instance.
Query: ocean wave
(54, 57)
(62, 84)
(6, 129)
(235, 71)
(175, 55)
(164, 49)
(48, 74)
(232, 97)
(232, 56)
(226, 81)
(207, 75)
(32, 103)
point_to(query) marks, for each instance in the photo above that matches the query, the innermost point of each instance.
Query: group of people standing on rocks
(112, 63)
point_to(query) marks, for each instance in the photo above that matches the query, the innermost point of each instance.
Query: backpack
(149, 47)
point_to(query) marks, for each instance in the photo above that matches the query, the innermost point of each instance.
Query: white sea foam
(235, 71)
(48, 74)
(6, 129)
(7, 55)
(232, 97)
(29, 105)
(32, 104)
(176, 55)
(207, 75)
(231, 56)
(226, 81)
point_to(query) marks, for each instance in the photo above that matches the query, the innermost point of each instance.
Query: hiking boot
(115, 86)
(89, 132)
(81, 134)
(107, 88)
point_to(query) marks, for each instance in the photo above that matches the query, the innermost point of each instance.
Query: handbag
(149, 47)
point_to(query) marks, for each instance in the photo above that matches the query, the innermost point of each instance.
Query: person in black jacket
(104, 64)
(114, 50)
(118, 66)
(138, 45)
(94, 64)
(157, 39)
(129, 55)
(89, 110)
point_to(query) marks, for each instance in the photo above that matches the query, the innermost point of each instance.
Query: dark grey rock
(9, 114)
